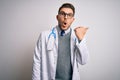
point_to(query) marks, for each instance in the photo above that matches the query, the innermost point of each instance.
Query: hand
(80, 32)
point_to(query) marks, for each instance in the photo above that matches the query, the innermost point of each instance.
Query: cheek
(59, 20)
(70, 22)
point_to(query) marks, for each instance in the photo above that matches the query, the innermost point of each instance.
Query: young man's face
(65, 18)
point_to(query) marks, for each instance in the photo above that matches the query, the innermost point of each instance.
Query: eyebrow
(65, 12)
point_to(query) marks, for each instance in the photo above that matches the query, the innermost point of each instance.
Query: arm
(37, 61)
(82, 53)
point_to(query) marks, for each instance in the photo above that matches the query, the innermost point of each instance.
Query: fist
(80, 32)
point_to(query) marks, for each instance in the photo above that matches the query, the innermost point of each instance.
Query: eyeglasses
(63, 14)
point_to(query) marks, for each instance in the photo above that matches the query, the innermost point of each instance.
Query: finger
(84, 27)
(76, 28)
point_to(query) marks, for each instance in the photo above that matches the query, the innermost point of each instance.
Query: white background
(21, 22)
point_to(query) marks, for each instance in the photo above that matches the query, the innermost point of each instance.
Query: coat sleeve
(82, 53)
(37, 61)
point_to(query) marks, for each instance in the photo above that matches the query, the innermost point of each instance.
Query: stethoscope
(52, 33)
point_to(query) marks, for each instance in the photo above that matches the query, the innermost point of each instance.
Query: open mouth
(65, 23)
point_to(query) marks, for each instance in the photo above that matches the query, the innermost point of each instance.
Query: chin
(64, 28)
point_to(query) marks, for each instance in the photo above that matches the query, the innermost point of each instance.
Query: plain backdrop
(21, 22)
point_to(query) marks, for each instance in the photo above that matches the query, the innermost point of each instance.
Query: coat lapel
(72, 43)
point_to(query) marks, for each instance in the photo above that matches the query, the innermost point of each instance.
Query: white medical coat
(46, 52)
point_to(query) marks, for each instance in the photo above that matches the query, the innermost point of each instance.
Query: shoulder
(44, 34)
(52, 30)
(47, 33)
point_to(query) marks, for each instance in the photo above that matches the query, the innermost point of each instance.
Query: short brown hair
(67, 5)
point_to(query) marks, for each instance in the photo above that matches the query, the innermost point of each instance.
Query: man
(59, 50)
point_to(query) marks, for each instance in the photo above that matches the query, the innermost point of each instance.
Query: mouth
(64, 23)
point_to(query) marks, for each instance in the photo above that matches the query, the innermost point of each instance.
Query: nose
(66, 16)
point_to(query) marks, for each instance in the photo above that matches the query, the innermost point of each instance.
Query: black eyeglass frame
(63, 14)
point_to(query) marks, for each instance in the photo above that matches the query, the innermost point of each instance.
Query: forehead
(66, 10)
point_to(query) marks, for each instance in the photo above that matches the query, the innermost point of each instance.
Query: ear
(57, 17)
(73, 19)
